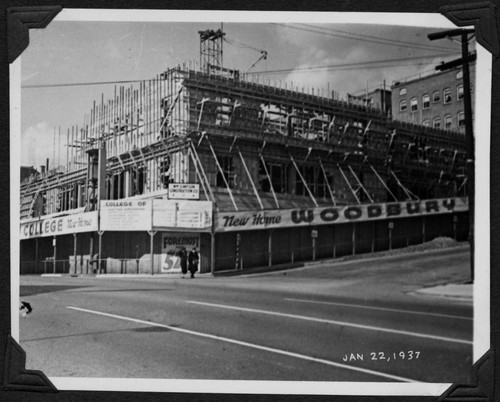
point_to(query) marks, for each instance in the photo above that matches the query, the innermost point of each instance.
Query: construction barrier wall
(129, 252)
(122, 253)
(291, 245)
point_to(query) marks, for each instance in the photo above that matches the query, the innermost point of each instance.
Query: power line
(358, 65)
(366, 38)
(393, 65)
(241, 45)
(366, 64)
(74, 84)
(388, 40)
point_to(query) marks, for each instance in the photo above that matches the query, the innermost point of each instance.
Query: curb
(382, 254)
(446, 293)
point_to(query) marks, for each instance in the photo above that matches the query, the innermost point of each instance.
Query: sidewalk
(453, 290)
(170, 275)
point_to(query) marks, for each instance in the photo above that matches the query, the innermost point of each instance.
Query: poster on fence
(171, 245)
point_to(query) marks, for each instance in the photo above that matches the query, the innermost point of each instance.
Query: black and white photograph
(292, 203)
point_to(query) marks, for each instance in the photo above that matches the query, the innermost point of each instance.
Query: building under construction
(251, 174)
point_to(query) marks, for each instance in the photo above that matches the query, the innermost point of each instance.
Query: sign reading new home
(183, 191)
(253, 220)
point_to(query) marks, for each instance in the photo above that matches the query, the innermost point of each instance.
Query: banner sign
(269, 219)
(182, 214)
(171, 244)
(183, 191)
(126, 215)
(76, 223)
(164, 213)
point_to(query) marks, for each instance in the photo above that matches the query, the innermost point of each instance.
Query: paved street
(353, 321)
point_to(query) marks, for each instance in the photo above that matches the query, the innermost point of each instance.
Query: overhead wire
(74, 84)
(388, 40)
(393, 65)
(366, 38)
(367, 64)
(241, 45)
(338, 67)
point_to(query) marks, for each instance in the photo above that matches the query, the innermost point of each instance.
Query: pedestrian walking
(193, 261)
(184, 264)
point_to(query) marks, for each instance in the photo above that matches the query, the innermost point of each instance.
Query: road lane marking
(249, 345)
(334, 322)
(382, 309)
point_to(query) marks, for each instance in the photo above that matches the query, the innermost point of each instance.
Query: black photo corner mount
(19, 22)
(484, 19)
(481, 388)
(17, 377)
(481, 15)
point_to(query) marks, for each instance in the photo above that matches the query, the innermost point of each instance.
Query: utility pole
(469, 135)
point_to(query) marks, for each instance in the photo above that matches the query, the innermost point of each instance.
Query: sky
(339, 57)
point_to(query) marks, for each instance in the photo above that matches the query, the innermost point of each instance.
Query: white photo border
(482, 210)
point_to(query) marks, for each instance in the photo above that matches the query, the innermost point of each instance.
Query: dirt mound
(434, 244)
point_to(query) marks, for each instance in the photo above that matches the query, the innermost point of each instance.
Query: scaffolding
(260, 146)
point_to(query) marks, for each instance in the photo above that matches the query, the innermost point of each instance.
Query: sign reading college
(126, 215)
(77, 223)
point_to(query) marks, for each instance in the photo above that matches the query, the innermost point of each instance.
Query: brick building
(435, 100)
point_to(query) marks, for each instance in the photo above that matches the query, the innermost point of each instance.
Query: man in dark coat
(183, 256)
(193, 261)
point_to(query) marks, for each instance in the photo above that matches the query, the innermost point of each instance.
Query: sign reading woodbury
(251, 220)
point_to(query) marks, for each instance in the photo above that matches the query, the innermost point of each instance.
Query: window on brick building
(436, 97)
(426, 101)
(402, 92)
(436, 123)
(426, 123)
(447, 122)
(403, 106)
(413, 104)
(460, 92)
(447, 96)
(461, 119)
(460, 75)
